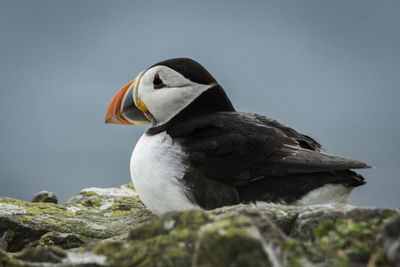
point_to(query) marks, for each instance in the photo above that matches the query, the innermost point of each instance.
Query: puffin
(200, 153)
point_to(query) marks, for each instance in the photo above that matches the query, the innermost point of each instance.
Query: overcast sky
(330, 70)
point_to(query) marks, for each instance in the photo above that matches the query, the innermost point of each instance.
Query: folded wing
(239, 148)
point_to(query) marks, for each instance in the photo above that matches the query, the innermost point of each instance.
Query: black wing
(238, 148)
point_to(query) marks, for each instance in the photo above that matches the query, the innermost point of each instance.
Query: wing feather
(239, 148)
(304, 161)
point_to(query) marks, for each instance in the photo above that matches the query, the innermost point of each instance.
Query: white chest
(156, 172)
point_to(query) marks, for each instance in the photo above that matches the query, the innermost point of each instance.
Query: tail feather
(352, 178)
(305, 160)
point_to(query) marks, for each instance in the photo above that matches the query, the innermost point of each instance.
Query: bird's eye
(158, 83)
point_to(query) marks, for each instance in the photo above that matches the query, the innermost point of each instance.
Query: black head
(170, 91)
(189, 68)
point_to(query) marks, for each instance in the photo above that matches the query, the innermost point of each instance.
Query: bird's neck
(210, 101)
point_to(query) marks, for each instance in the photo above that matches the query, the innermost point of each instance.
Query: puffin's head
(167, 89)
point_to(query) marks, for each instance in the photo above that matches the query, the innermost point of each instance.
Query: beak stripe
(139, 104)
(113, 114)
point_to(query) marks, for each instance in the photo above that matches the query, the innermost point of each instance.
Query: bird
(200, 153)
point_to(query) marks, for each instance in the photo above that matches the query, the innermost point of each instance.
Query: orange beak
(122, 109)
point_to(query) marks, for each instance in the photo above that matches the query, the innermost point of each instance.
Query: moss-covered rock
(239, 237)
(45, 197)
(339, 243)
(62, 240)
(391, 236)
(311, 216)
(111, 227)
(94, 214)
(167, 241)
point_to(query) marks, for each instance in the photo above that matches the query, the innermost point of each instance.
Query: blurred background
(328, 69)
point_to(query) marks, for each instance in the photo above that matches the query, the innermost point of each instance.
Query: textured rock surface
(45, 197)
(391, 235)
(111, 227)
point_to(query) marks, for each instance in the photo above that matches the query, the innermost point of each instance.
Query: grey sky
(328, 69)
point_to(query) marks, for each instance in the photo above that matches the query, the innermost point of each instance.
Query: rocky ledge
(111, 227)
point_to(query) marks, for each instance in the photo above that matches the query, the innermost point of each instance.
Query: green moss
(25, 219)
(340, 243)
(50, 221)
(45, 239)
(50, 254)
(295, 253)
(127, 204)
(130, 185)
(7, 260)
(65, 241)
(91, 202)
(168, 239)
(18, 235)
(88, 222)
(173, 249)
(108, 247)
(38, 208)
(70, 200)
(191, 220)
(120, 213)
(88, 193)
(115, 205)
(323, 228)
(95, 202)
(223, 243)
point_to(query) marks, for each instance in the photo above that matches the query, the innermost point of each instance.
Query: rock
(240, 237)
(3, 242)
(111, 227)
(391, 237)
(94, 214)
(199, 238)
(45, 197)
(51, 254)
(62, 240)
(308, 219)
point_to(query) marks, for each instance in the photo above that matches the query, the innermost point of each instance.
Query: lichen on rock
(391, 237)
(112, 227)
(81, 220)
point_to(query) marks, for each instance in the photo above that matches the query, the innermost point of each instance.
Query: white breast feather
(156, 171)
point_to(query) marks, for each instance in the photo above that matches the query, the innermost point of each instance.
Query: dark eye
(158, 83)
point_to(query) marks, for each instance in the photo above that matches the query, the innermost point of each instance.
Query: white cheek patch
(165, 103)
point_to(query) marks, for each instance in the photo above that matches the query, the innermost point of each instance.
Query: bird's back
(240, 158)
